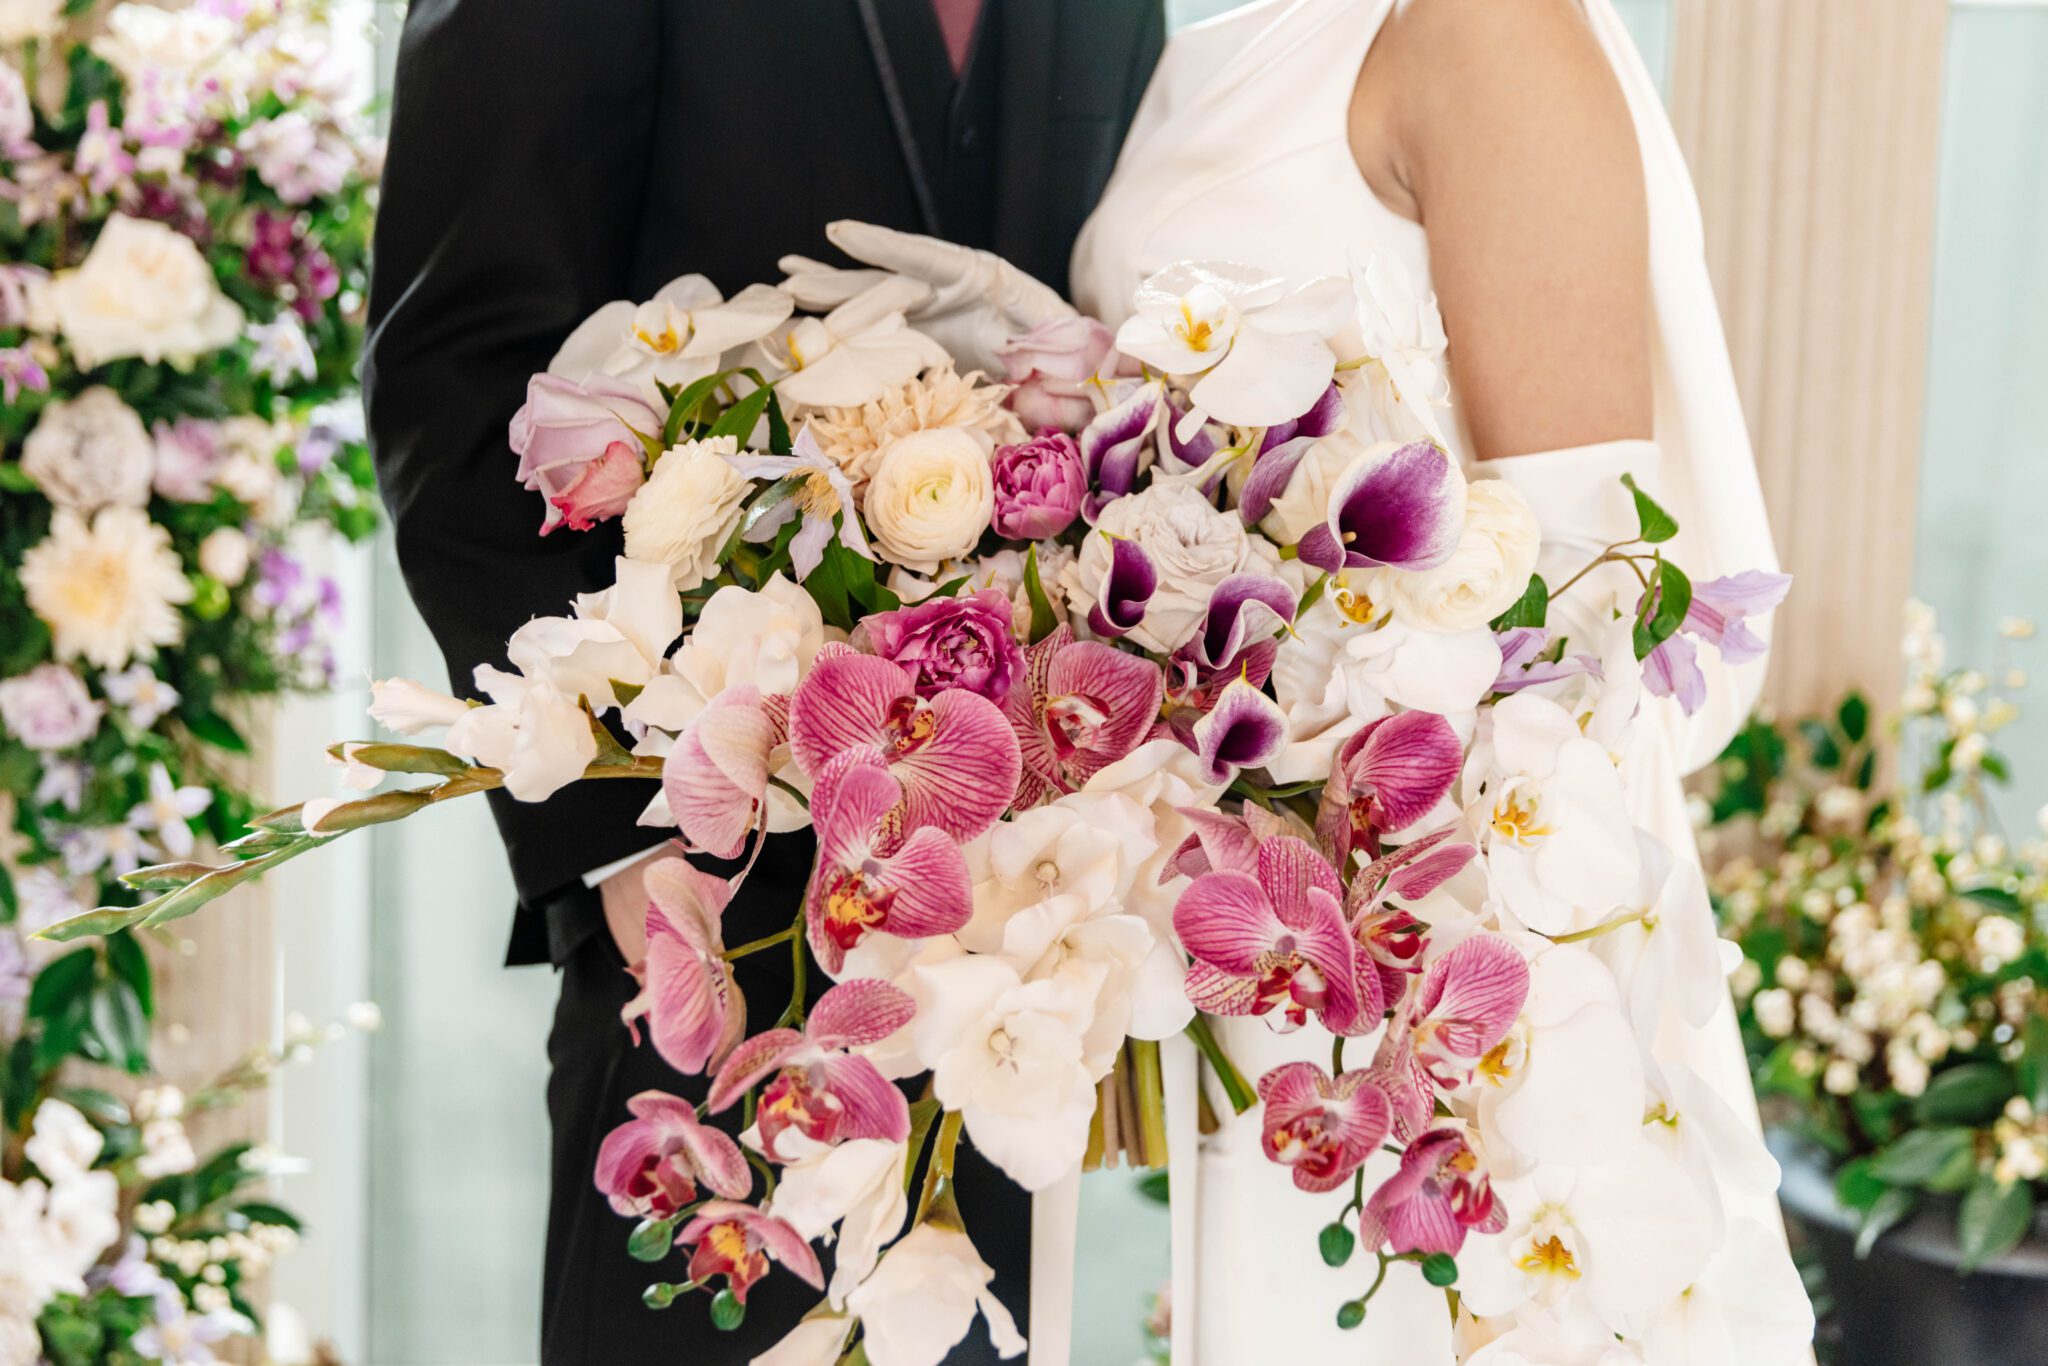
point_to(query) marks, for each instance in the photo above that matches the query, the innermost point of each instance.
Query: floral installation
(1893, 946)
(1179, 673)
(119, 1241)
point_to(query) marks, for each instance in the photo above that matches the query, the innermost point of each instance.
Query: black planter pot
(1905, 1304)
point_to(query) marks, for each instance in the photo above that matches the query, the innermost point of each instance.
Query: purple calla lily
(1401, 506)
(1113, 446)
(1244, 608)
(1081, 707)
(1126, 589)
(1245, 729)
(1281, 450)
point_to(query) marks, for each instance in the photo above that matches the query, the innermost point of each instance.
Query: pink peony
(1039, 486)
(947, 643)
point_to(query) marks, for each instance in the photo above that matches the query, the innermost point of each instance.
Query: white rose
(145, 41)
(23, 20)
(144, 290)
(683, 514)
(1192, 545)
(90, 452)
(224, 555)
(1485, 575)
(931, 496)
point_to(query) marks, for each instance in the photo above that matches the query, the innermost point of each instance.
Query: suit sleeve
(518, 156)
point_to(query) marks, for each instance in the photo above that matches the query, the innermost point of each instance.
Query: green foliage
(1531, 609)
(1654, 524)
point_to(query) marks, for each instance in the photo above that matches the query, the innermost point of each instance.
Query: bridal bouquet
(1172, 674)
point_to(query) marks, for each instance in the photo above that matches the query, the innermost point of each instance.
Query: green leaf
(1997, 898)
(129, 963)
(1993, 1219)
(262, 1212)
(119, 1026)
(651, 1240)
(1043, 619)
(10, 901)
(1853, 716)
(740, 419)
(1887, 1210)
(1665, 608)
(1153, 1185)
(14, 479)
(1971, 1094)
(779, 442)
(1531, 609)
(1937, 1159)
(388, 757)
(63, 980)
(1857, 1187)
(1820, 743)
(686, 405)
(1439, 1268)
(1336, 1243)
(214, 729)
(2033, 1068)
(102, 1107)
(1655, 525)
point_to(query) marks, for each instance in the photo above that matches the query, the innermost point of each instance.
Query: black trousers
(591, 1312)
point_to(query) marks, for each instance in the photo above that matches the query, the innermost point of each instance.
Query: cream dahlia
(854, 438)
(109, 589)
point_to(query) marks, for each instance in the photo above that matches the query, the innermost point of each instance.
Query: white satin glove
(971, 302)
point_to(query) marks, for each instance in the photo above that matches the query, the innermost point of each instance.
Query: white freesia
(931, 497)
(1617, 1238)
(675, 338)
(90, 452)
(921, 1301)
(143, 290)
(1009, 1055)
(1193, 547)
(1349, 663)
(1551, 816)
(108, 589)
(855, 353)
(410, 708)
(1260, 347)
(1484, 576)
(684, 513)
(855, 1187)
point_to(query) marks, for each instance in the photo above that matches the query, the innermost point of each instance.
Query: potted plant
(1890, 994)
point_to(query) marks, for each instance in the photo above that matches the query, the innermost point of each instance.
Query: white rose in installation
(24, 20)
(684, 513)
(90, 452)
(109, 589)
(145, 41)
(1192, 547)
(675, 338)
(931, 497)
(145, 291)
(1550, 812)
(922, 1299)
(48, 708)
(1484, 576)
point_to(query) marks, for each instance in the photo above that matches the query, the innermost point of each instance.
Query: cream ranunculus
(90, 452)
(1485, 575)
(931, 497)
(1192, 545)
(108, 589)
(683, 514)
(144, 290)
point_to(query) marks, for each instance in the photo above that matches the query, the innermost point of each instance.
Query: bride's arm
(1500, 127)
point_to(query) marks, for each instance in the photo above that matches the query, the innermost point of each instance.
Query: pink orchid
(871, 876)
(738, 1242)
(1387, 776)
(953, 755)
(1469, 1000)
(1323, 1129)
(1276, 939)
(1222, 842)
(1439, 1194)
(821, 1090)
(716, 777)
(695, 1013)
(1079, 708)
(1390, 939)
(649, 1166)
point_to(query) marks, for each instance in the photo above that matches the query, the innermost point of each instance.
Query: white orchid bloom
(921, 1301)
(855, 353)
(1566, 1086)
(855, 1187)
(1551, 816)
(1670, 959)
(1261, 350)
(1724, 1154)
(1402, 334)
(675, 338)
(1543, 1337)
(1010, 1056)
(1748, 1307)
(1619, 1238)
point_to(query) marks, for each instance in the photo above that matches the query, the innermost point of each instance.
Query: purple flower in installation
(1243, 729)
(1399, 506)
(1039, 486)
(1522, 664)
(19, 371)
(49, 708)
(945, 643)
(1126, 590)
(1113, 445)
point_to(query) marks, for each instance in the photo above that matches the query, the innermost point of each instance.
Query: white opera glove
(973, 301)
(1582, 506)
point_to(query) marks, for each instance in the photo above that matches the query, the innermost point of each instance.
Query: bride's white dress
(1239, 151)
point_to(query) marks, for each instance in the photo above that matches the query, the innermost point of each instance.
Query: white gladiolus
(921, 1301)
(410, 708)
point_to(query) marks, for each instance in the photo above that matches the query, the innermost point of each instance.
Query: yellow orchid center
(1200, 333)
(1550, 1258)
(1516, 817)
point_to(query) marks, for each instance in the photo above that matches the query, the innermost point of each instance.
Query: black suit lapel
(909, 56)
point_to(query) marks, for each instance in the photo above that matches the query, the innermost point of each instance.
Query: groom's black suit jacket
(548, 156)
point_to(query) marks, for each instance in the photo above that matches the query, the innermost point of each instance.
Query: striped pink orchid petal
(1215, 992)
(861, 1011)
(694, 1012)
(1387, 776)
(1227, 921)
(934, 892)
(871, 1106)
(958, 761)
(716, 777)
(843, 704)
(738, 1241)
(1439, 1195)
(1220, 843)
(1470, 998)
(1100, 703)
(1325, 941)
(867, 879)
(1288, 868)
(749, 1064)
(1323, 1130)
